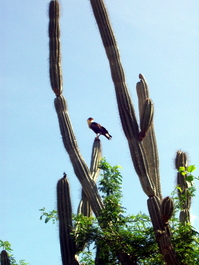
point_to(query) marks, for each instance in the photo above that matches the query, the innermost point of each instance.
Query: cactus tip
(141, 76)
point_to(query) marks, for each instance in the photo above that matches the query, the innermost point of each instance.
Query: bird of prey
(98, 129)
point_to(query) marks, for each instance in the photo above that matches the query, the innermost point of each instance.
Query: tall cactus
(81, 169)
(143, 153)
(90, 196)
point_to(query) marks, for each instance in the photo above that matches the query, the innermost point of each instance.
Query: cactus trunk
(144, 153)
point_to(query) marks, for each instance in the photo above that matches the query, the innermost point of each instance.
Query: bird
(98, 129)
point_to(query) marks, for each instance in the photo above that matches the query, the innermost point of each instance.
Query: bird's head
(89, 120)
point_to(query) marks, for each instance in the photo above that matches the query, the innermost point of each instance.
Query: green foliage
(131, 235)
(85, 230)
(5, 245)
(186, 242)
(185, 239)
(187, 173)
(87, 257)
(110, 186)
(189, 178)
(52, 215)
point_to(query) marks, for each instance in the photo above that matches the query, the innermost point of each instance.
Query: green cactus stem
(149, 142)
(54, 48)
(64, 208)
(4, 258)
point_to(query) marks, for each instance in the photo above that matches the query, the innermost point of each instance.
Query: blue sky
(158, 39)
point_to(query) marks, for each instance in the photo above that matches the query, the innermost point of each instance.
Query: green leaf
(181, 169)
(189, 178)
(191, 168)
(179, 188)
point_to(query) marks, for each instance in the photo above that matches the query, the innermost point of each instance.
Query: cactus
(139, 134)
(143, 153)
(64, 209)
(81, 169)
(87, 178)
(167, 208)
(54, 46)
(84, 206)
(4, 258)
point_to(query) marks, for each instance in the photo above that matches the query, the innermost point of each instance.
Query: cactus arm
(149, 142)
(64, 208)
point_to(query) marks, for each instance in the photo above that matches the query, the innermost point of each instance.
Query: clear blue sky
(159, 39)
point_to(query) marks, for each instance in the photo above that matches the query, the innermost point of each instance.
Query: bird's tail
(108, 136)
